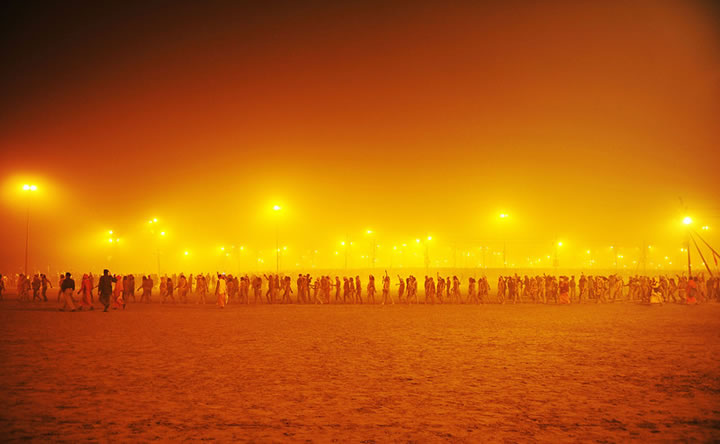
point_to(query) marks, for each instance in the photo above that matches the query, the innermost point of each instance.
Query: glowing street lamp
(427, 255)
(687, 221)
(346, 244)
(277, 209)
(504, 216)
(371, 233)
(30, 188)
(556, 260)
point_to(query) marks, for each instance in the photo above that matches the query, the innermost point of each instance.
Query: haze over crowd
(584, 122)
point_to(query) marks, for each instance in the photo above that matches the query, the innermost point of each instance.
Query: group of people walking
(115, 291)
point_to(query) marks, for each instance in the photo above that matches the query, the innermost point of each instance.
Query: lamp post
(346, 244)
(151, 222)
(504, 217)
(371, 233)
(427, 255)
(556, 262)
(29, 188)
(277, 208)
(687, 221)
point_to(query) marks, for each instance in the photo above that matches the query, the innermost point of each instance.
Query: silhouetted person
(86, 291)
(36, 284)
(105, 289)
(45, 282)
(67, 288)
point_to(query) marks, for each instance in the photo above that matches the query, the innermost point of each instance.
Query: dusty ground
(361, 374)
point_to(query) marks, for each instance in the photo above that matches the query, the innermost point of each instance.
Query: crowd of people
(115, 291)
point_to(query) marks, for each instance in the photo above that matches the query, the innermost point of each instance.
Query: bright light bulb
(687, 220)
(186, 253)
(429, 238)
(162, 233)
(110, 232)
(26, 187)
(559, 244)
(276, 207)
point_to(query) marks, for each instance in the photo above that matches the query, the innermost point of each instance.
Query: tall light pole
(371, 233)
(157, 243)
(557, 255)
(28, 188)
(346, 244)
(504, 217)
(277, 208)
(427, 255)
(687, 221)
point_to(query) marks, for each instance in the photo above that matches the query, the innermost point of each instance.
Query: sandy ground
(607, 373)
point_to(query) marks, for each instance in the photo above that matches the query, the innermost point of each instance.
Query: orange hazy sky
(584, 120)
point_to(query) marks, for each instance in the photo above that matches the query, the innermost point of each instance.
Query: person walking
(105, 289)
(67, 289)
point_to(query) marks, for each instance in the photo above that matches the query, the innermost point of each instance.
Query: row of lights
(687, 221)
